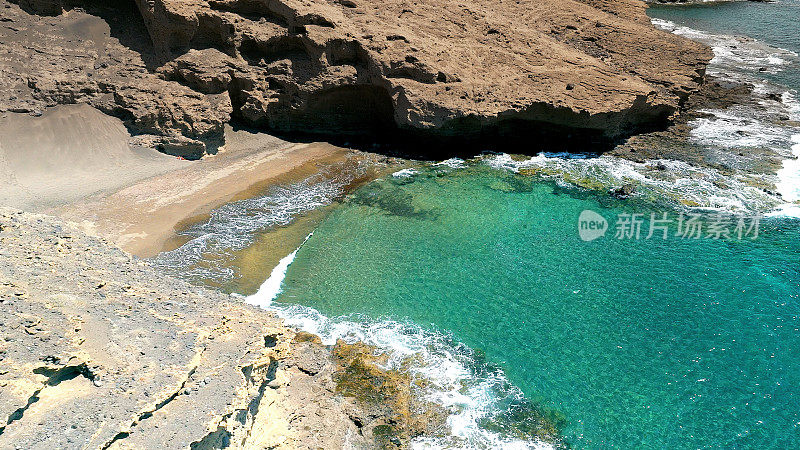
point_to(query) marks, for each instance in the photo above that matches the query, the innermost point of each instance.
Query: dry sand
(75, 162)
(68, 153)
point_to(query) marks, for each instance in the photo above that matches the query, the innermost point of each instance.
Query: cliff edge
(99, 350)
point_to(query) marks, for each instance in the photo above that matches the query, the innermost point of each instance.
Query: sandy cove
(119, 355)
(141, 218)
(75, 162)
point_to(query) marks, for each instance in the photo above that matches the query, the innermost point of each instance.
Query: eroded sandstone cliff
(99, 350)
(589, 70)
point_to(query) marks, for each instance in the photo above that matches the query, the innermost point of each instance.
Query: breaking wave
(789, 175)
(234, 226)
(734, 53)
(768, 122)
(676, 182)
(472, 391)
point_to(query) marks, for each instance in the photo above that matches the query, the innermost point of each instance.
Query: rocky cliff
(566, 71)
(98, 350)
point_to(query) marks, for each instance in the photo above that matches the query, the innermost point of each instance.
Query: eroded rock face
(546, 68)
(103, 60)
(99, 350)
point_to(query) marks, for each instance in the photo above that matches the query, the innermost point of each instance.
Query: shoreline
(77, 163)
(232, 248)
(142, 218)
(102, 351)
(148, 211)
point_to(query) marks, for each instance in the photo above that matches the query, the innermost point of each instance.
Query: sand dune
(70, 152)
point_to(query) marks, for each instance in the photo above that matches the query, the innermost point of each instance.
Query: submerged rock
(570, 72)
(391, 413)
(624, 191)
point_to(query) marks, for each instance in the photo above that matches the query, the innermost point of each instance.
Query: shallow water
(238, 242)
(677, 343)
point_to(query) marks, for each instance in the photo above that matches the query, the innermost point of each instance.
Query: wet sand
(75, 162)
(142, 218)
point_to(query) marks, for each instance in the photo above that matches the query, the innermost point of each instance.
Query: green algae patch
(531, 423)
(584, 181)
(304, 336)
(759, 182)
(390, 397)
(392, 200)
(360, 377)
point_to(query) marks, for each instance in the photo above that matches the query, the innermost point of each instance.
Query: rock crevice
(99, 350)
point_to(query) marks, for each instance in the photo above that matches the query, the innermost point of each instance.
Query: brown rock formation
(595, 70)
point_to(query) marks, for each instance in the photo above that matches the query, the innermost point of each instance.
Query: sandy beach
(76, 163)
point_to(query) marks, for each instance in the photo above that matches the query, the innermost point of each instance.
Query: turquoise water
(619, 343)
(653, 343)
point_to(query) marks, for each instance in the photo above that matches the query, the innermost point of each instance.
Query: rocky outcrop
(99, 350)
(81, 58)
(676, 143)
(583, 69)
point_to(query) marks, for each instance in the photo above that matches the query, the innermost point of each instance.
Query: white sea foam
(233, 226)
(789, 176)
(696, 187)
(788, 184)
(741, 58)
(751, 125)
(744, 126)
(734, 53)
(439, 359)
(272, 286)
(792, 104)
(455, 163)
(405, 173)
(739, 127)
(785, 210)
